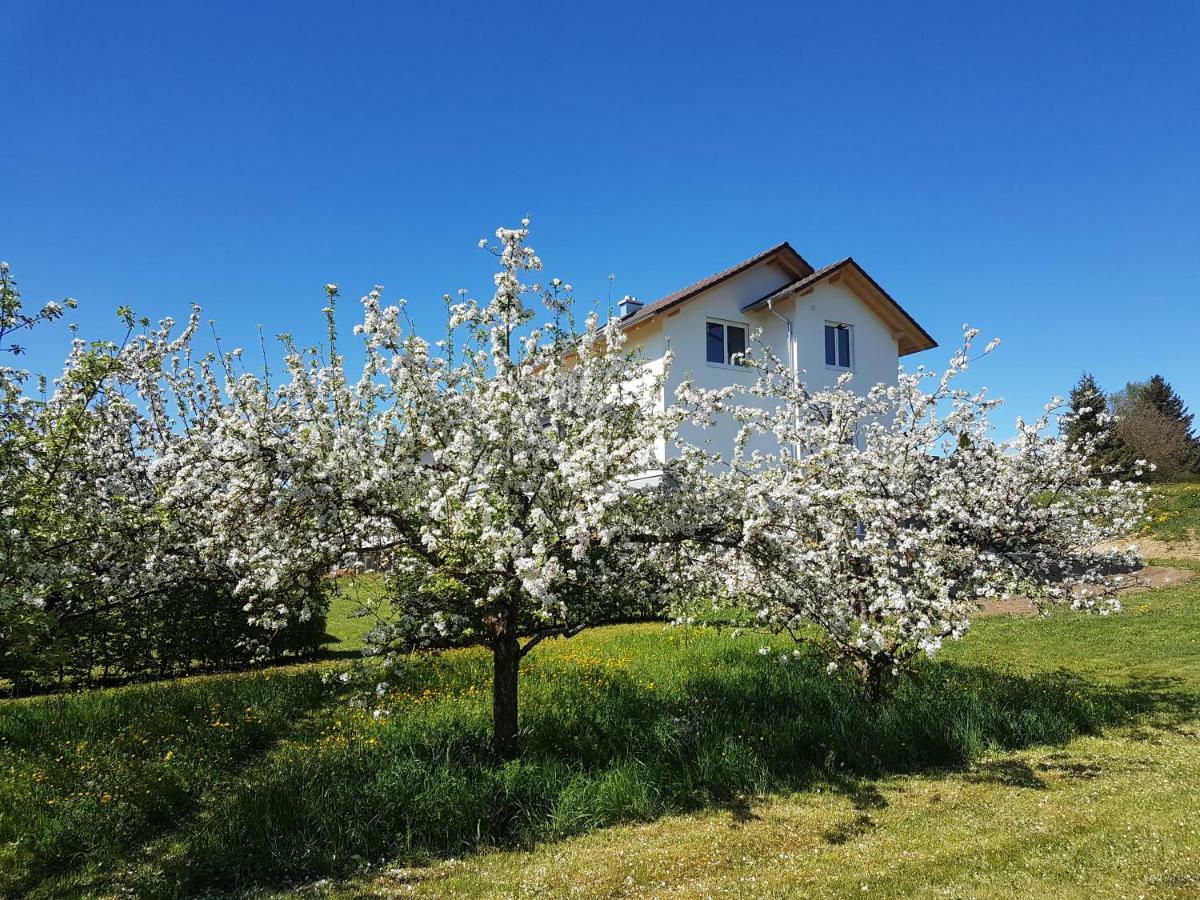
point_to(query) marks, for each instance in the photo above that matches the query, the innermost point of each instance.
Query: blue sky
(1032, 169)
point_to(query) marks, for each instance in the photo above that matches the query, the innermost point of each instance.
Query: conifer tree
(1091, 421)
(1158, 392)
(1089, 407)
(1164, 398)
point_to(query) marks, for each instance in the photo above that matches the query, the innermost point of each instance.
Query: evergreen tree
(1159, 393)
(1090, 421)
(1163, 397)
(1088, 406)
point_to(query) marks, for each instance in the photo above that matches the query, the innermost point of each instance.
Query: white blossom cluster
(82, 527)
(888, 516)
(490, 474)
(497, 477)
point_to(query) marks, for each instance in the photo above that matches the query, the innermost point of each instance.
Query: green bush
(196, 627)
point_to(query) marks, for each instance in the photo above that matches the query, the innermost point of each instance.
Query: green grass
(1175, 512)
(344, 627)
(1102, 817)
(256, 782)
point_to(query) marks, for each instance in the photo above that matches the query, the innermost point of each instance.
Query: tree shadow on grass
(1008, 772)
(600, 753)
(336, 655)
(123, 767)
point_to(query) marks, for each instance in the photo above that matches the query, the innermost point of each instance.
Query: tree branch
(540, 636)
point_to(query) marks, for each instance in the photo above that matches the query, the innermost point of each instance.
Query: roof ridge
(824, 272)
(684, 293)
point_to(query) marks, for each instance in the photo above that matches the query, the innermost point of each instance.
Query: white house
(823, 321)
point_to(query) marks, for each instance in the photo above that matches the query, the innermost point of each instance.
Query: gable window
(724, 342)
(837, 345)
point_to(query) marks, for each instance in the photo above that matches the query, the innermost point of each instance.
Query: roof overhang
(782, 255)
(909, 335)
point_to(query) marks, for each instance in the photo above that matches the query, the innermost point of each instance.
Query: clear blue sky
(1032, 169)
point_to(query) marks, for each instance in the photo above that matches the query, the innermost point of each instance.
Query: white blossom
(900, 514)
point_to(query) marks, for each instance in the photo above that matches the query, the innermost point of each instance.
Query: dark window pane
(830, 352)
(737, 341)
(844, 347)
(716, 342)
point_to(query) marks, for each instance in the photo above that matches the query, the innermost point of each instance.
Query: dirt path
(1145, 579)
(1151, 548)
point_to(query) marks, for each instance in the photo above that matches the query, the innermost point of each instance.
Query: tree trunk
(506, 660)
(873, 684)
(873, 671)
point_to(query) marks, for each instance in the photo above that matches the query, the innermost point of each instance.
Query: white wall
(874, 353)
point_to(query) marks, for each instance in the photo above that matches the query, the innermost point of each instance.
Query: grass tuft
(1175, 512)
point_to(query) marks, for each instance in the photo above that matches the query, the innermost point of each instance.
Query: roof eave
(911, 339)
(795, 264)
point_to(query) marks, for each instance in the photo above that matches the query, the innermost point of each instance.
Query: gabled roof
(910, 336)
(783, 254)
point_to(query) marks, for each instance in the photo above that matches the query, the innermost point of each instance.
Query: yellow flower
(106, 797)
(170, 755)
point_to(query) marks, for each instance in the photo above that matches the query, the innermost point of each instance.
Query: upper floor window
(725, 342)
(837, 345)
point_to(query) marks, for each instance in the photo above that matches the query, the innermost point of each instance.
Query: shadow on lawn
(122, 767)
(625, 753)
(729, 728)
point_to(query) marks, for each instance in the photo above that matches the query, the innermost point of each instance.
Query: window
(837, 345)
(724, 341)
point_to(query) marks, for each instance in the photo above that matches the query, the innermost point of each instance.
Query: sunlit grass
(1103, 817)
(1112, 814)
(1175, 512)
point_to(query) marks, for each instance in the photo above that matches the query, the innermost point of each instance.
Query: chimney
(628, 306)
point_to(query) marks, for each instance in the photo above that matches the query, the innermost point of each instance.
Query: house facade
(824, 322)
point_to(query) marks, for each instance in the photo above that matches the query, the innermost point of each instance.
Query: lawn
(1175, 512)
(345, 627)
(1055, 757)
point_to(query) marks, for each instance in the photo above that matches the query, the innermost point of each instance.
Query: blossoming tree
(493, 475)
(887, 516)
(98, 576)
(79, 532)
(499, 478)
(20, 608)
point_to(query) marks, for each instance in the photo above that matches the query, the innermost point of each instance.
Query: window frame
(833, 367)
(725, 325)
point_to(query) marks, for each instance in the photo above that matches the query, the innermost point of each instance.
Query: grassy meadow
(1038, 757)
(1175, 513)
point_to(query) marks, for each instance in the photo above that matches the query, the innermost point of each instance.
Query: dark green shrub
(195, 627)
